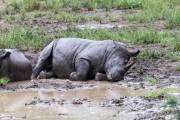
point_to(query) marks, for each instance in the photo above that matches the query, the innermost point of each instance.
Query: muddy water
(66, 104)
(13, 104)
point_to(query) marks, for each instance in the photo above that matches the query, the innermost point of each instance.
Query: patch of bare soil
(164, 72)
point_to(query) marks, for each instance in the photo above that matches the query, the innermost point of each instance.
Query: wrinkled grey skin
(14, 65)
(81, 59)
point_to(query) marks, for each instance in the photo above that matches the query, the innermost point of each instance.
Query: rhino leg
(46, 75)
(82, 69)
(101, 77)
(44, 60)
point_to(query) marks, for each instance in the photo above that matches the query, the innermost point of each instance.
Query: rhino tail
(43, 59)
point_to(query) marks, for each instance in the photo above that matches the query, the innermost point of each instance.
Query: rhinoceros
(82, 59)
(14, 65)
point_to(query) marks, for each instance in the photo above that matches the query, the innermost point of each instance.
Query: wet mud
(66, 100)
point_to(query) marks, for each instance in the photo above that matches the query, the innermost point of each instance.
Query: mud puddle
(86, 102)
(68, 100)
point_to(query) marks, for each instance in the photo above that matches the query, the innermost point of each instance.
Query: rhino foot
(74, 76)
(100, 77)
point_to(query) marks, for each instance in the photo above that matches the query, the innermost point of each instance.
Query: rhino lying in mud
(14, 65)
(81, 59)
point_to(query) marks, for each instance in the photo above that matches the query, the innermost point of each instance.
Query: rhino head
(117, 63)
(4, 54)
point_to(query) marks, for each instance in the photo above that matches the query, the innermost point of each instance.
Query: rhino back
(96, 53)
(64, 54)
(69, 48)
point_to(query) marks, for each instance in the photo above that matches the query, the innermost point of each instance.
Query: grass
(149, 54)
(53, 4)
(173, 18)
(158, 10)
(20, 37)
(178, 67)
(151, 80)
(37, 14)
(141, 36)
(72, 17)
(14, 18)
(152, 10)
(30, 5)
(173, 56)
(157, 94)
(3, 81)
(172, 104)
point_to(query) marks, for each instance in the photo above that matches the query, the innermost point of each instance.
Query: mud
(62, 99)
(81, 101)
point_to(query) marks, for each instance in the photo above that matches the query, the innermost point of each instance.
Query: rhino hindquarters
(44, 59)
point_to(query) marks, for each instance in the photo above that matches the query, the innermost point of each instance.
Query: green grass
(53, 4)
(160, 93)
(173, 56)
(158, 10)
(152, 10)
(172, 101)
(37, 14)
(3, 81)
(178, 67)
(30, 5)
(72, 17)
(8, 18)
(150, 53)
(151, 80)
(172, 104)
(141, 36)
(173, 18)
(20, 37)
(14, 18)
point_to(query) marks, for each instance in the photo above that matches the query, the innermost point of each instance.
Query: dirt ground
(54, 99)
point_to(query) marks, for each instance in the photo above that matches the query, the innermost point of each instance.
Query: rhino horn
(129, 65)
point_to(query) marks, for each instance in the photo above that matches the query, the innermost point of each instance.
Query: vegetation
(23, 37)
(151, 80)
(172, 104)
(30, 5)
(178, 67)
(157, 94)
(158, 10)
(4, 81)
(20, 37)
(72, 17)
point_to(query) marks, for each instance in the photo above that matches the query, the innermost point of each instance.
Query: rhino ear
(134, 53)
(5, 54)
